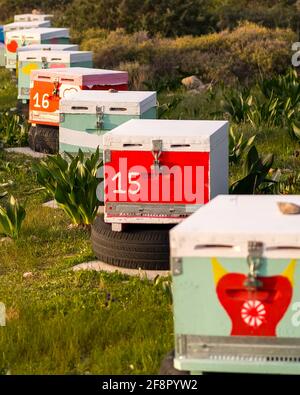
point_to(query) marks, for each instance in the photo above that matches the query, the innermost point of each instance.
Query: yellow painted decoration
(218, 270)
(30, 66)
(290, 271)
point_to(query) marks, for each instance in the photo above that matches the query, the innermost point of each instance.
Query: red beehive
(48, 86)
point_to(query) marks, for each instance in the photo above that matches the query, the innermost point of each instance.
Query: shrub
(270, 13)
(229, 57)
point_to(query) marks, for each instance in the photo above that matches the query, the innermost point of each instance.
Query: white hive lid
(39, 32)
(225, 225)
(112, 102)
(55, 56)
(195, 135)
(48, 47)
(32, 17)
(25, 25)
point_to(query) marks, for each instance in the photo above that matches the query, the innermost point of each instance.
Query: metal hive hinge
(176, 266)
(44, 63)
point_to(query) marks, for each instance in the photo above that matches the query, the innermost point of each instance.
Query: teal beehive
(86, 116)
(40, 35)
(236, 286)
(47, 59)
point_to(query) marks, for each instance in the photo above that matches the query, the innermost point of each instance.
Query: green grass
(8, 91)
(61, 321)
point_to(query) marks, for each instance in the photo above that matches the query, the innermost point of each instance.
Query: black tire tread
(139, 246)
(44, 139)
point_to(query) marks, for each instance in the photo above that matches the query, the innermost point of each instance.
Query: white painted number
(45, 102)
(119, 183)
(131, 181)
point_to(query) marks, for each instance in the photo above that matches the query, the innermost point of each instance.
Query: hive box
(49, 86)
(45, 47)
(20, 38)
(85, 116)
(236, 287)
(160, 171)
(44, 59)
(32, 17)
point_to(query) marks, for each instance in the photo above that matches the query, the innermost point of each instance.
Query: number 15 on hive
(160, 171)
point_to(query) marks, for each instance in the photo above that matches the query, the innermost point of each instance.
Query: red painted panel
(184, 177)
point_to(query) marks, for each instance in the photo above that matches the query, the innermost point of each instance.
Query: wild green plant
(238, 145)
(11, 218)
(257, 178)
(237, 105)
(13, 130)
(72, 184)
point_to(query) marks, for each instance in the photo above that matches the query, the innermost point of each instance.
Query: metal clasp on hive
(99, 115)
(254, 260)
(156, 152)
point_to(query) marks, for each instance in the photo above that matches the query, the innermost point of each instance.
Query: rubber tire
(23, 109)
(14, 77)
(31, 137)
(167, 366)
(44, 138)
(138, 246)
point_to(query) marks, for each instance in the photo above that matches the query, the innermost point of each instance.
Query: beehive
(86, 116)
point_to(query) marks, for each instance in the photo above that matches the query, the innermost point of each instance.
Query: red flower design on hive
(253, 313)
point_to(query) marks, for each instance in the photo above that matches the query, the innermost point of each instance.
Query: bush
(270, 13)
(229, 57)
(72, 184)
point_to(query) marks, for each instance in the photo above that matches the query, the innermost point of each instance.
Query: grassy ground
(60, 321)
(8, 90)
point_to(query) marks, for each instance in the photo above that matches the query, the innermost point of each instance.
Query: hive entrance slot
(180, 145)
(203, 246)
(132, 145)
(280, 248)
(79, 108)
(118, 109)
